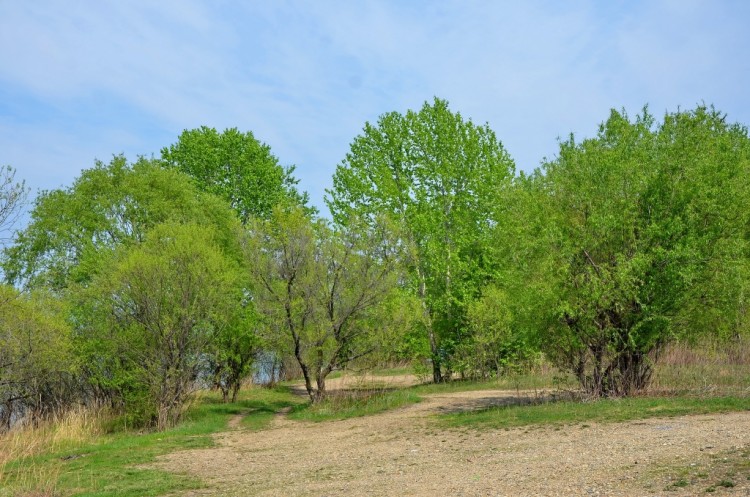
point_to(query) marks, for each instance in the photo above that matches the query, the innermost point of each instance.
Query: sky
(86, 79)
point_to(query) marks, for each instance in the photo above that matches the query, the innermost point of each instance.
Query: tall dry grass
(708, 366)
(21, 473)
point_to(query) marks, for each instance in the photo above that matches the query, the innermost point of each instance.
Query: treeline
(146, 280)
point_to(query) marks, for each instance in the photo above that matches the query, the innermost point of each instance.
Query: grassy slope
(110, 464)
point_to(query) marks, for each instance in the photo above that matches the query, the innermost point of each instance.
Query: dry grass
(710, 367)
(20, 473)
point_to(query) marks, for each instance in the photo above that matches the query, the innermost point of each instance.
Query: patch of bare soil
(402, 453)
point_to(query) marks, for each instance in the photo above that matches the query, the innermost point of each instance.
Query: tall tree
(319, 289)
(234, 166)
(642, 218)
(443, 180)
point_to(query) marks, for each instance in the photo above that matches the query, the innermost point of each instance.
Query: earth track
(403, 452)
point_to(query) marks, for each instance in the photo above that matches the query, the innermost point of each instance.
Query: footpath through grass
(600, 411)
(116, 464)
(112, 465)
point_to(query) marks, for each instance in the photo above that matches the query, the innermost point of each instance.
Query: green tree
(234, 166)
(319, 289)
(74, 233)
(232, 354)
(157, 308)
(444, 181)
(238, 168)
(73, 230)
(36, 357)
(642, 218)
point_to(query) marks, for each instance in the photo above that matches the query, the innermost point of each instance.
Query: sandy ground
(404, 453)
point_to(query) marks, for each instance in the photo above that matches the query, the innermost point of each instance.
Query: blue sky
(81, 79)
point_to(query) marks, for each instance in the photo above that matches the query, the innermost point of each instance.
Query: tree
(36, 357)
(12, 198)
(73, 230)
(232, 354)
(234, 166)
(238, 168)
(110, 208)
(318, 289)
(642, 218)
(443, 180)
(158, 307)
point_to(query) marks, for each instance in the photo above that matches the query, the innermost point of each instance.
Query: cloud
(93, 78)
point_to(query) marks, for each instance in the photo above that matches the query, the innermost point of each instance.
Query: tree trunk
(235, 391)
(321, 381)
(437, 376)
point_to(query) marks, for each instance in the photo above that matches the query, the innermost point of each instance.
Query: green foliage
(150, 315)
(36, 357)
(74, 230)
(235, 346)
(494, 346)
(319, 289)
(443, 180)
(644, 226)
(103, 230)
(236, 167)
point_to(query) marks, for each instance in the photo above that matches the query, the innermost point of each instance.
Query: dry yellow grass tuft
(19, 473)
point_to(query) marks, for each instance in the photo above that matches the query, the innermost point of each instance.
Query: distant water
(267, 367)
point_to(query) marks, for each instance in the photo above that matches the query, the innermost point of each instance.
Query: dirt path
(402, 453)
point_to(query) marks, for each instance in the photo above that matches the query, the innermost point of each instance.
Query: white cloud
(304, 77)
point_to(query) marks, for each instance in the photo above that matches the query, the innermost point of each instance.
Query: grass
(710, 366)
(113, 464)
(264, 404)
(354, 403)
(705, 378)
(601, 411)
(76, 427)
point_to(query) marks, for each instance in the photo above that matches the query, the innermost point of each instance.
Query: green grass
(602, 411)
(111, 465)
(354, 404)
(264, 404)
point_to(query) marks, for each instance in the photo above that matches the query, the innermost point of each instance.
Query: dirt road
(404, 453)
